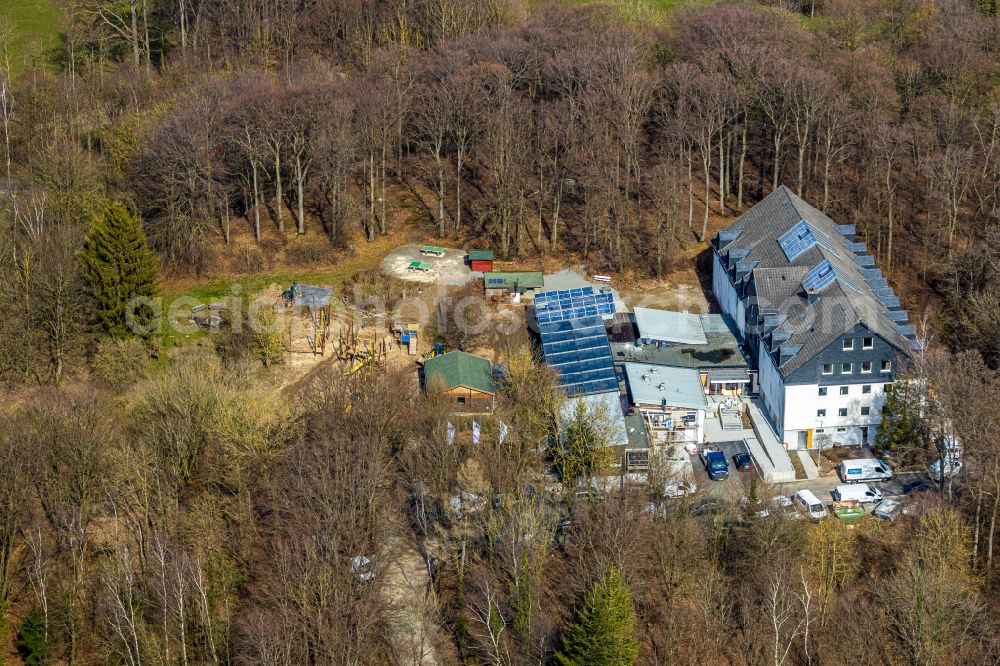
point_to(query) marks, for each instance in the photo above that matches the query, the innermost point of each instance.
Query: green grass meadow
(31, 29)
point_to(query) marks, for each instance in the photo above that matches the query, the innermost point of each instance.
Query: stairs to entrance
(730, 419)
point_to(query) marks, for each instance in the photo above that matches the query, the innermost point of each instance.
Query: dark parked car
(917, 487)
(743, 461)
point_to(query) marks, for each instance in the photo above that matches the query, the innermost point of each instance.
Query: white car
(941, 469)
(807, 502)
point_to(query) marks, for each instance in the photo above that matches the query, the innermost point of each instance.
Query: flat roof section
(665, 386)
(668, 326)
(722, 349)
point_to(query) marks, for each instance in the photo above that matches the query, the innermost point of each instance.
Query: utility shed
(672, 400)
(518, 282)
(664, 326)
(464, 379)
(481, 261)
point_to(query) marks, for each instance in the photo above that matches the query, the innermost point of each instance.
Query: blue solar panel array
(797, 240)
(579, 351)
(822, 275)
(819, 277)
(552, 306)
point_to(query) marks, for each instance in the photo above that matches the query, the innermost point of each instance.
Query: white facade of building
(725, 294)
(837, 418)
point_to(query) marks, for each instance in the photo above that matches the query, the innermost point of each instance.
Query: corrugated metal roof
(728, 375)
(665, 386)
(668, 326)
(480, 255)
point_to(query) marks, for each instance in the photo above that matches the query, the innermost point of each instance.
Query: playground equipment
(314, 303)
(437, 350)
(363, 353)
(406, 334)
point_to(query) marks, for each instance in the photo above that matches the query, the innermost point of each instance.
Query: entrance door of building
(864, 435)
(804, 439)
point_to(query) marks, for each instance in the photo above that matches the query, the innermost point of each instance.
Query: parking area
(450, 269)
(731, 487)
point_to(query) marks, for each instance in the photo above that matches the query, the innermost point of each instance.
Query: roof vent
(661, 386)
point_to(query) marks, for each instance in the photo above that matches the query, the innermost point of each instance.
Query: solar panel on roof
(819, 277)
(579, 351)
(553, 306)
(797, 240)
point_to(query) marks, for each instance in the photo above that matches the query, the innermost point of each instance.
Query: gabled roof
(808, 268)
(480, 255)
(458, 368)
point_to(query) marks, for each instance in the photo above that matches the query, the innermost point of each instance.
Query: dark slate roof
(815, 319)
(457, 368)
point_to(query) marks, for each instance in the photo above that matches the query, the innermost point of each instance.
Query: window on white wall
(842, 411)
(865, 411)
(843, 390)
(841, 429)
(820, 413)
(822, 390)
(849, 344)
(868, 343)
(866, 388)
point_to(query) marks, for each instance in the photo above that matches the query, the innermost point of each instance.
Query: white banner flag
(503, 431)
(475, 433)
(451, 433)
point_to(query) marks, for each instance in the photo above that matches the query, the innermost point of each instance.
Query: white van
(863, 493)
(864, 469)
(807, 502)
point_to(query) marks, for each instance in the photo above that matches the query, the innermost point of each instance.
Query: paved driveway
(734, 486)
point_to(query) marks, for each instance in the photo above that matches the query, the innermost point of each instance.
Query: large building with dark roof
(817, 317)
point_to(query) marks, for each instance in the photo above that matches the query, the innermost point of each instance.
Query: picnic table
(432, 250)
(420, 266)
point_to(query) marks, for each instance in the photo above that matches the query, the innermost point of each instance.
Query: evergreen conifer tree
(898, 430)
(603, 632)
(119, 266)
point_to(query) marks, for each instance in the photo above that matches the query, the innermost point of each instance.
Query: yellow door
(809, 438)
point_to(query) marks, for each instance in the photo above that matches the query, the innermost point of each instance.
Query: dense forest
(164, 507)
